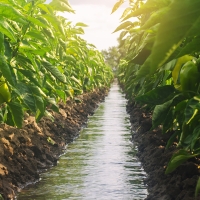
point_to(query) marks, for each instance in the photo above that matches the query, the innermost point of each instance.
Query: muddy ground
(26, 152)
(179, 185)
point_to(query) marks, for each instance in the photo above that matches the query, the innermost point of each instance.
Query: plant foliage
(162, 68)
(43, 59)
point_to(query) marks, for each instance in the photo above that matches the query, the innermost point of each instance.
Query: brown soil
(180, 184)
(26, 152)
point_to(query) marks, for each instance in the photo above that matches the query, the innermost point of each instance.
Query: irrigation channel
(101, 164)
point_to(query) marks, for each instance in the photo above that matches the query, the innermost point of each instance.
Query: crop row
(43, 59)
(161, 69)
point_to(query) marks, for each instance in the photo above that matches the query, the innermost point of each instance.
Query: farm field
(51, 80)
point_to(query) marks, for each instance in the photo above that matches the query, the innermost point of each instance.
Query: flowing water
(101, 164)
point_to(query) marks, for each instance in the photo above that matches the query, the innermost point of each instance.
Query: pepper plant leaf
(61, 5)
(197, 189)
(30, 75)
(194, 137)
(160, 113)
(11, 13)
(123, 26)
(157, 96)
(6, 29)
(117, 5)
(81, 24)
(16, 110)
(174, 27)
(5, 69)
(177, 159)
(191, 110)
(55, 22)
(2, 47)
(54, 71)
(190, 47)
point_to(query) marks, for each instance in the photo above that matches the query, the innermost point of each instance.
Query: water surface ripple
(101, 164)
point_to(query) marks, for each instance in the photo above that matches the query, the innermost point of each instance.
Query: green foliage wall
(43, 59)
(162, 68)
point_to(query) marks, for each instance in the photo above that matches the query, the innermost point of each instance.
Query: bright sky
(97, 15)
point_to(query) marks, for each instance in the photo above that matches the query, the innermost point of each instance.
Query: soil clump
(154, 156)
(26, 152)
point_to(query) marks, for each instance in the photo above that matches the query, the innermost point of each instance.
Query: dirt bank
(26, 152)
(179, 185)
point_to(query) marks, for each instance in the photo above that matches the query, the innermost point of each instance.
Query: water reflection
(100, 164)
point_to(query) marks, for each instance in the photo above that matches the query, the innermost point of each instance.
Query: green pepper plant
(43, 59)
(162, 68)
